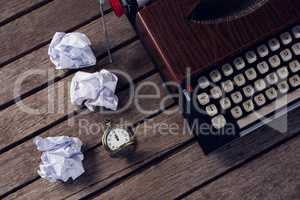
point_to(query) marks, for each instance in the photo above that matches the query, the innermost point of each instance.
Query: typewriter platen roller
(239, 42)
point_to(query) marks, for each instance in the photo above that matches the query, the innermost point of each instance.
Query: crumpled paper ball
(94, 89)
(61, 158)
(71, 51)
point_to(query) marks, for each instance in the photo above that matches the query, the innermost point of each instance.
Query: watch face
(116, 138)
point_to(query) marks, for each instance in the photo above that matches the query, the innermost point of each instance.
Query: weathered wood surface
(14, 8)
(43, 70)
(37, 27)
(53, 102)
(168, 163)
(102, 170)
(275, 175)
(187, 168)
(190, 168)
(25, 157)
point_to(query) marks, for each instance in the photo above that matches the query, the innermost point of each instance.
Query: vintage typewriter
(236, 60)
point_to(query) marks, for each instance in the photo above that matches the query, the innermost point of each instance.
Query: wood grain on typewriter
(177, 44)
(165, 165)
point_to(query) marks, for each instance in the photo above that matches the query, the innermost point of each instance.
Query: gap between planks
(172, 170)
(145, 69)
(179, 150)
(91, 147)
(41, 41)
(38, 61)
(272, 175)
(66, 117)
(170, 153)
(56, 79)
(156, 159)
(124, 48)
(20, 12)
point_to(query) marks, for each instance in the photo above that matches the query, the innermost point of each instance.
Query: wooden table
(165, 166)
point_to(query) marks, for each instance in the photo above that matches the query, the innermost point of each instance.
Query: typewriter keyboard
(253, 85)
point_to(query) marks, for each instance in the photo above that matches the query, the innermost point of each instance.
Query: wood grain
(274, 175)
(185, 49)
(177, 43)
(25, 158)
(37, 27)
(17, 123)
(14, 8)
(43, 70)
(167, 163)
(179, 173)
(101, 169)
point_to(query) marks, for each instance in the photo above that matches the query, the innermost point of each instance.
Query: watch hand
(117, 138)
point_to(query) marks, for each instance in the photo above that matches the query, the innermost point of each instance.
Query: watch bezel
(125, 148)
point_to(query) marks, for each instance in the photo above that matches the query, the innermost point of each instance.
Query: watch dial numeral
(116, 138)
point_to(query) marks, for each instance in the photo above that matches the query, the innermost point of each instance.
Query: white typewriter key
(286, 38)
(248, 91)
(260, 85)
(283, 87)
(274, 44)
(239, 63)
(239, 80)
(215, 76)
(296, 31)
(271, 93)
(263, 51)
(237, 97)
(218, 122)
(275, 61)
(263, 67)
(236, 112)
(216, 92)
(260, 99)
(283, 72)
(295, 81)
(268, 109)
(227, 86)
(296, 49)
(212, 110)
(225, 103)
(203, 99)
(286, 55)
(272, 78)
(248, 106)
(203, 82)
(251, 57)
(294, 66)
(227, 69)
(251, 74)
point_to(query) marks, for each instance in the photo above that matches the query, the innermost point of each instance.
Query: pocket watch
(118, 141)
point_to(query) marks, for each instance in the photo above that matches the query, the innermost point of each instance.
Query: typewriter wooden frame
(176, 43)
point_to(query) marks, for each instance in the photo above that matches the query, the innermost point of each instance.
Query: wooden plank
(77, 127)
(100, 168)
(43, 70)
(154, 141)
(275, 175)
(37, 27)
(14, 8)
(180, 172)
(186, 169)
(17, 123)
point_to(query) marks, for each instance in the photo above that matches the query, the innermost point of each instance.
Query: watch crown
(107, 122)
